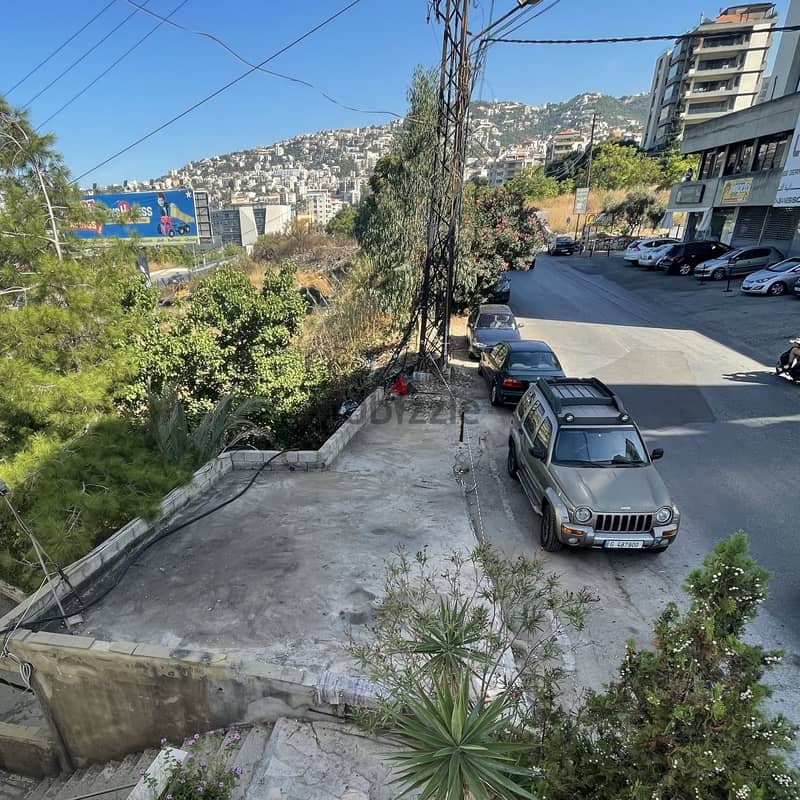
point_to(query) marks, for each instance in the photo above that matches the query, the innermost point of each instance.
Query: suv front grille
(623, 523)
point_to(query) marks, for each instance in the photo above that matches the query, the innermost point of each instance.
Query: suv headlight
(663, 515)
(582, 514)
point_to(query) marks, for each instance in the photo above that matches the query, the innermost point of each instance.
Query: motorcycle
(783, 368)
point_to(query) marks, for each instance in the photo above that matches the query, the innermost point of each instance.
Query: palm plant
(456, 748)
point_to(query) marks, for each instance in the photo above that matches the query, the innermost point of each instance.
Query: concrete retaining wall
(109, 699)
(27, 751)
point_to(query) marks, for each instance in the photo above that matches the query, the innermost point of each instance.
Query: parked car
(638, 248)
(563, 246)
(738, 262)
(652, 255)
(778, 279)
(509, 368)
(796, 290)
(681, 259)
(500, 292)
(489, 324)
(585, 468)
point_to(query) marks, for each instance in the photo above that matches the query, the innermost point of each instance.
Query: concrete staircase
(291, 760)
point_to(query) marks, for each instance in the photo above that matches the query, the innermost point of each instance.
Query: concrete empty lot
(289, 570)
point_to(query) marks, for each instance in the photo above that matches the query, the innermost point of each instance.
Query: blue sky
(364, 59)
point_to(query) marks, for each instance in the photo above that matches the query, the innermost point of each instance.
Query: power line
(247, 63)
(112, 65)
(81, 58)
(61, 46)
(219, 91)
(626, 39)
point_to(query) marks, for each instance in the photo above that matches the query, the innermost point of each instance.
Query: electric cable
(122, 569)
(219, 91)
(627, 39)
(247, 63)
(110, 66)
(81, 58)
(60, 47)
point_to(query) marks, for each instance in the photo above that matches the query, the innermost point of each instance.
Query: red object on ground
(399, 387)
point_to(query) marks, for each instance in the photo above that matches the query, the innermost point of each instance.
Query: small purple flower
(142, 771)
(237, 736)
(221, 785)
(196, 736)
(200, 790)
(237, 770)
(227, 741)
(169, 797)
(163, 740)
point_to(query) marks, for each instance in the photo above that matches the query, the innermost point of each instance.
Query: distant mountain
(501, 124)
(339, 160)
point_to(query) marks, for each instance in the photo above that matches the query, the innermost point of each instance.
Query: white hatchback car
(637, 249)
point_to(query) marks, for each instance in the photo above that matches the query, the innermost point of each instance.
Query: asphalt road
(700, 384)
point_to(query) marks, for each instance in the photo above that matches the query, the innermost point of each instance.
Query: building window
(739, 157)
(771, 152)
(708, 108)
(711, 164)
(726, 41)
(717, 63)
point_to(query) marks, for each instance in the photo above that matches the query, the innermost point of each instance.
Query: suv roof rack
(568, 394)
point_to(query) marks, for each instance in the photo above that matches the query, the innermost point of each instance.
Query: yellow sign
(736, 191)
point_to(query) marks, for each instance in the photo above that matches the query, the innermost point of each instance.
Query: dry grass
(558, 209)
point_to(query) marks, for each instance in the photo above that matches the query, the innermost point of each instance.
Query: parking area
(756, 325)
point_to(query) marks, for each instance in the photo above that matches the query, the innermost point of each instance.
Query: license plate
(622, 544)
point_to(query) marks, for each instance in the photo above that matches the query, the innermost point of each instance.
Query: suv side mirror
(656, 454)
(538, 450)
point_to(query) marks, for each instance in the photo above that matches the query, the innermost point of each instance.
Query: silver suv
(583, 465)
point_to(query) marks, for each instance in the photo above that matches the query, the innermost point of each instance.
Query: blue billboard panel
(167, 217)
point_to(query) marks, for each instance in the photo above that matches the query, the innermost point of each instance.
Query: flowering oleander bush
(200, 776)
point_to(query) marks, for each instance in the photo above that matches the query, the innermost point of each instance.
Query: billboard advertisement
(167, 217)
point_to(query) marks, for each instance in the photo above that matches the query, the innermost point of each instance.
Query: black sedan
(563, 246)
(510, 367)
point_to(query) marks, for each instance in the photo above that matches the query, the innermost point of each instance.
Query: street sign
(581, 201)
(167, 217)
(788, 194)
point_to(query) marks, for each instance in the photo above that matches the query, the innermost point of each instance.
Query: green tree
(637, 206)
(673, 166)
(344, 222)
(687, 719)
(533, 184)
(621, 166)
(391, 225)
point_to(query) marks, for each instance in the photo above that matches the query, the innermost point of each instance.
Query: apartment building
(321, 206)
(717, 71)
(565, 143)
(243, 224)
(510, 163)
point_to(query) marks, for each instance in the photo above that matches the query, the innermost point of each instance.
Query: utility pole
(588, 175)
(456, 74)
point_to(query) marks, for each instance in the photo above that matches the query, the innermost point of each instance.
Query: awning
(666, 220)
(689, 209)
(705, 223)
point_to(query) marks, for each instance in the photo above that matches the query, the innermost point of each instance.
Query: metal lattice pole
(446, 181)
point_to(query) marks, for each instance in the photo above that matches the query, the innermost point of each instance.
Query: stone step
(75, 785)
(38, 791)
(15, 787)
(250, 757)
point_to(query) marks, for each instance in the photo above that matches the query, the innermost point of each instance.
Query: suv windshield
(600, 447)
(500, 321)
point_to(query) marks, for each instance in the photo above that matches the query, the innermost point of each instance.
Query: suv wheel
(511, 462)
(549, 535)
(685, 269)
(777, 289)
(495, 397)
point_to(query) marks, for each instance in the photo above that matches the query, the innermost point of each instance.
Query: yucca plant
(456, 748)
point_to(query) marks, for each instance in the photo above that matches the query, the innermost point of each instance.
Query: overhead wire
(239, 57)
(219, 91)
(628, 39)
(112, 65)
(58, 49)
(80, 58)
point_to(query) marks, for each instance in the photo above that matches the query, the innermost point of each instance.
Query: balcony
(711, 94)
(711, 49)
(716, 72)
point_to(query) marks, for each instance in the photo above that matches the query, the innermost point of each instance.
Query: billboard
(167, 217)
(788, 194)
(736, 191)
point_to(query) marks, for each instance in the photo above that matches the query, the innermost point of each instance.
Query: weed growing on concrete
(468, 653)
(206, 773)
